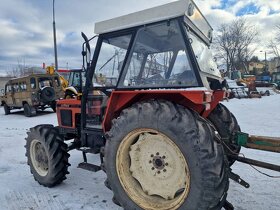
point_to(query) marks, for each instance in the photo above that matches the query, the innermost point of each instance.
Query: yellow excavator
(72, 86)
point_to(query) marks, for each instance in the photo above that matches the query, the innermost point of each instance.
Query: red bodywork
(68, 104)
(203, 102)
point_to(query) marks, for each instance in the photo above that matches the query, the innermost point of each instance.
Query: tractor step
(89, 167)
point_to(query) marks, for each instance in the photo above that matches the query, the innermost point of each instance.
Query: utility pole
(54, 40)
(265, 61)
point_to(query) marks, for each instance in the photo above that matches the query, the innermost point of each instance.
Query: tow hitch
(271, 144)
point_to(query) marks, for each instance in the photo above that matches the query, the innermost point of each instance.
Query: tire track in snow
(33, 200)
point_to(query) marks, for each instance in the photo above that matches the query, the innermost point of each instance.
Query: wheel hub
(158, 166)
(39, 157)
(158, 162)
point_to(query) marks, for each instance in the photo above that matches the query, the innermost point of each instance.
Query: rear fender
(201, 101)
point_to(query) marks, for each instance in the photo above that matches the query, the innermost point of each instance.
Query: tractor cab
(159, 53)
(76, 79)
(163, 47)
(166, 48)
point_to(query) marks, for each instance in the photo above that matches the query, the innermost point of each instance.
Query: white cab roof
(155, 14)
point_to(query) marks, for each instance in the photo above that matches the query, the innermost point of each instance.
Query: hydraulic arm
(264, 143)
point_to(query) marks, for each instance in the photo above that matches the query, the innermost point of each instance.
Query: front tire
(162, 156)
(28, 110)
(69, 95)
(53, 106)
(7, 109)
(47, 155)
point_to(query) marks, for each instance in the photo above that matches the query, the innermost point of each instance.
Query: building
(256, 68)
(274, 65)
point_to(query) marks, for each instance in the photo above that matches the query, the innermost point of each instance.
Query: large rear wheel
(46, 155)
(161, 156)
(226, 125)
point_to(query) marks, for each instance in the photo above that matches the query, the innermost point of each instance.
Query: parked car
(32, 93)
(263, 81)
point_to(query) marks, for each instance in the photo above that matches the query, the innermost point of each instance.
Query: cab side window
(8, 89)
(16, 87)
(32, 83)
(22, 86)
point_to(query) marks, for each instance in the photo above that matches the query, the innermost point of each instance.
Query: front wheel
(53, 106)
(46, 155)
(6, 109)
(28, 110)
(161, 156)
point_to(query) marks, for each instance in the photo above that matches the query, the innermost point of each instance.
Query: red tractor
(150, 107)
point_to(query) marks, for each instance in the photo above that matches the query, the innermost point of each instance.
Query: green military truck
(32, 93)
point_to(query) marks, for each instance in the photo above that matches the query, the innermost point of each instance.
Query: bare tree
(21, 69)
(275, 47)
(278, 33)
(13, 73)
(234, 43)
(274, 43)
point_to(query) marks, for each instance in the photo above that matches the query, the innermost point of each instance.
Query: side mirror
(86, 52)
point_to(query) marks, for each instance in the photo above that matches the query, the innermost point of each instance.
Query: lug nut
(163, 157)
(166, 164)
(150, 161)
(157, 153)
(153, 168)
(152, 155)
(158, 172)
(164, 170)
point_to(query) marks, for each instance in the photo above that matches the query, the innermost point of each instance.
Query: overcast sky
(26, 34)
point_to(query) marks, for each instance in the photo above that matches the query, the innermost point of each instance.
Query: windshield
(45, 82)
(159, 58)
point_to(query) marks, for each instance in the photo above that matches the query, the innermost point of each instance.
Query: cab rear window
(32, 83)
(45, 82)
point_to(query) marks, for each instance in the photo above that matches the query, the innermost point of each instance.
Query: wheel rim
(39, 157)
(152, 170)
(68, 96)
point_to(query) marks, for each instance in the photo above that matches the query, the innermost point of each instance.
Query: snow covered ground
(85, 190)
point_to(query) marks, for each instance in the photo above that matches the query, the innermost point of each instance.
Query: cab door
(9, 95)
